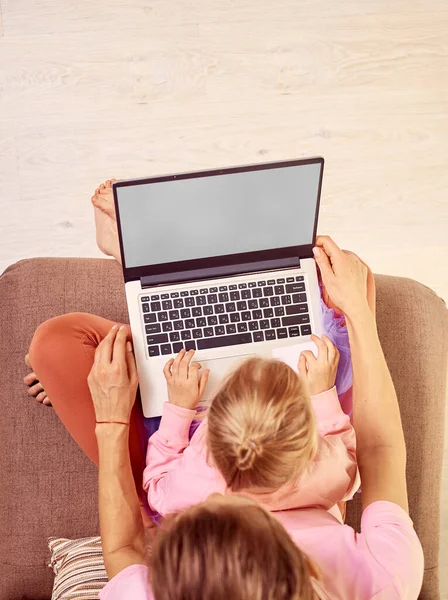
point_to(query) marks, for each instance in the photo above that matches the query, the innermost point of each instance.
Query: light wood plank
(9, 170)
(45, 17)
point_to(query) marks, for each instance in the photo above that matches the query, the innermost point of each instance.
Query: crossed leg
(62, 354)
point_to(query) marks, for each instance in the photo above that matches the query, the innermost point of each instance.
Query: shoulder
(130, 584)
(391, 546)
(385, 557)
(387, 533)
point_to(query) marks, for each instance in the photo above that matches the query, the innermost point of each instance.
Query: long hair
(228, 552)
(261, 426)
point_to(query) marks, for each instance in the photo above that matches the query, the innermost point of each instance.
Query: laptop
(220, 262)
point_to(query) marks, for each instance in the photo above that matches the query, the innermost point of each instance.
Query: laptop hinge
(218, 272)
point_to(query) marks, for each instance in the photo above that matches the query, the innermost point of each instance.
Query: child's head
(261, 427)
(228, 548)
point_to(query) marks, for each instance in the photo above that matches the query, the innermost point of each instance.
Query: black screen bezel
(259, 256)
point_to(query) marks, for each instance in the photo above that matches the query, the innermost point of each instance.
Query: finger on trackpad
(290, 354)
(219, 369)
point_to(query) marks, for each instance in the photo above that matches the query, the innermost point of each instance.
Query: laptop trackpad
(291, 354)
(219, 369)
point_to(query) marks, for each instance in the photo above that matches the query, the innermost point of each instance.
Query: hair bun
(246, 454)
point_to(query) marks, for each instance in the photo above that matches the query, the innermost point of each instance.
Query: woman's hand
(185, 386)
(343, 275)
(113, 378)
(320, 372)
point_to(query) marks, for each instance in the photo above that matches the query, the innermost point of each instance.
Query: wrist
(112, 422)
(112, 416)
(111, 429)
(185, 405)
(321, 389)
(359, 314)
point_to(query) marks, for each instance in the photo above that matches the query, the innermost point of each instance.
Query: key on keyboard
(207, 318)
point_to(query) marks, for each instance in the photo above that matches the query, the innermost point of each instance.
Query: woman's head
(261, 428)
(228, 548)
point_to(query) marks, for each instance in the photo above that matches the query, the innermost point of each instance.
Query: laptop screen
(201, 217)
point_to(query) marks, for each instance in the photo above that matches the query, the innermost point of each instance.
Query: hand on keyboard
(185, 385)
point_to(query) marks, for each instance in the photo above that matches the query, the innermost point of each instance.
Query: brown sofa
(49, 488)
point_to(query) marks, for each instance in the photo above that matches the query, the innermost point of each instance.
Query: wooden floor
(119, 88)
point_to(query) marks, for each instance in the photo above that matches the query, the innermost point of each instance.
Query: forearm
(376, 414)
(164, 456)
(121, 523)
(381, 450)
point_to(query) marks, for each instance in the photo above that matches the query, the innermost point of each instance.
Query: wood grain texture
(93, 90)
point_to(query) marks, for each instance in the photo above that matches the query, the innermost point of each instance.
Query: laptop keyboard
(228, 315)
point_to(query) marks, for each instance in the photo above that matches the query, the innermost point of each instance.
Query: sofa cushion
(78, 567)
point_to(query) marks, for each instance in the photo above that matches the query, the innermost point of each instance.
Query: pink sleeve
(165, 450)
(130, 584)
(333, 422)
(389, 538)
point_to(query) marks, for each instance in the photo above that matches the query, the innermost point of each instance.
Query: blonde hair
(225, 553)
(261, 427)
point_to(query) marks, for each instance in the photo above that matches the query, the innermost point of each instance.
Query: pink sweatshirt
(383, 562)
(178, 474)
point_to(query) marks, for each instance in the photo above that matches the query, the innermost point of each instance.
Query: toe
(47, 401)
(35, 389)
(41, 396)
(30, 378)
(27, 361)
(102, 186)
(96, 200)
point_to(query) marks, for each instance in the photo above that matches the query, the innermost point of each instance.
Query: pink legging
(61, 354)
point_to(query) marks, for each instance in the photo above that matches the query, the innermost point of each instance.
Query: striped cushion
(78, 567)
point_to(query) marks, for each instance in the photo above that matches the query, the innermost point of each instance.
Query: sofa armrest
(413, 329)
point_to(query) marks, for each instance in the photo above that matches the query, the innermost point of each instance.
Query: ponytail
(261, 427)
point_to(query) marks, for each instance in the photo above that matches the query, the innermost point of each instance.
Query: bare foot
(34, 386)
(106, 221)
